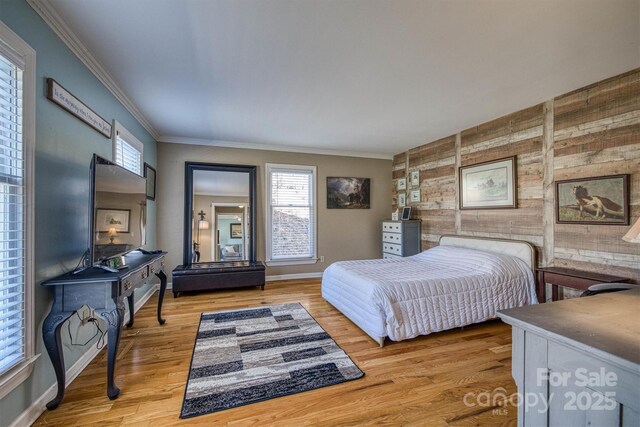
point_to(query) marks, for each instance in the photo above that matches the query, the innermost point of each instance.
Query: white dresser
(400, 238)
(576, 362)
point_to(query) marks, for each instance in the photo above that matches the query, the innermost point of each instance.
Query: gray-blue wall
(64, 146)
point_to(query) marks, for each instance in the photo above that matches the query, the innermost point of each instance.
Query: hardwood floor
(417, 382)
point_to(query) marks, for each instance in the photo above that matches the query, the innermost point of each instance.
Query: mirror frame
(189, 169)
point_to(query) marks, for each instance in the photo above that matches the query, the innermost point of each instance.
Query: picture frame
(150, 175)
(402, 200)
(414, 196)
(235, 230)
(348, 193)
(406, 213)
(402, 184)
(112, 218)
(489, 185)
(602, 200)
(415, 178)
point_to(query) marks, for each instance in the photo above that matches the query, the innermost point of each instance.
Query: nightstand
(569, 278)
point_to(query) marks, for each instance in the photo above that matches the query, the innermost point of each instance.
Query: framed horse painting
(599, 200)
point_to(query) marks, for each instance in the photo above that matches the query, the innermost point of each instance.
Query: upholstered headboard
(517, 248)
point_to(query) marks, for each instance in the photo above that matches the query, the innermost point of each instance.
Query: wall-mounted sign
(73, 105)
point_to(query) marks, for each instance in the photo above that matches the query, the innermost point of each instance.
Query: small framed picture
(406, 213)
(415, 196)
(402, 184)
(118, 219)
(402, 200)
(415, 178)
(150, 174)
(235, 230)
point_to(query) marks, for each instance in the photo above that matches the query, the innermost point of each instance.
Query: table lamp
(112, 233)
(633, 235)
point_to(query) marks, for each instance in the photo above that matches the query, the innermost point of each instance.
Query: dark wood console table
(575, 279)
(105, 293)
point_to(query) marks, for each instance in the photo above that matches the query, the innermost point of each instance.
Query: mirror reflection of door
(220, 203)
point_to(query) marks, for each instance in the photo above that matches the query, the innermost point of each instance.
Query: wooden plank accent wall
(518, 134)
(589, 132)
(597, 132)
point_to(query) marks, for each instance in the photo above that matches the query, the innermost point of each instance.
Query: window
(17, 134)
(127, 149)
(291, 214)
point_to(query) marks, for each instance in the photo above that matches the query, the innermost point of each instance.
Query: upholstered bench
(217, 275)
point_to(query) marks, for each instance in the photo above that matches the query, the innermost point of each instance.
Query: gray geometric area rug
(247, 356)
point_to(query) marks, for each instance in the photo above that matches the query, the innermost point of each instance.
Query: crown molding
(273, 147)
(51, 17)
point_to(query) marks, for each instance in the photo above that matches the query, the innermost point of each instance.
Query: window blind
(128, 156)
(12, 217)
(292, 212)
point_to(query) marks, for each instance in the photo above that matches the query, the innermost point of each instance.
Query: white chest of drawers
(400, 238)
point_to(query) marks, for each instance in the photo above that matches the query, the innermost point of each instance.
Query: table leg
(131, 310)
(52, 341)
(163, 287)
(541, 288)
(554, 292)
(114, 318)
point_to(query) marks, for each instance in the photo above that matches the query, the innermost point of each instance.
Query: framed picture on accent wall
(415, 196)
(402, 184)
(602, 200)
(415, 178)
(402, 200)
(489, 185)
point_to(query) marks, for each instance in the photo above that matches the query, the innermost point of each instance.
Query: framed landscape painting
(489, 185)
(107, 219)
(348, 193)
(599, 200)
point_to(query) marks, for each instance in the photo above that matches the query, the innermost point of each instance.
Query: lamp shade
(112, 232)
(633, 235)
(203, 224)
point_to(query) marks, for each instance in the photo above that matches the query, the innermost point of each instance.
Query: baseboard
(294, 276)
(31, 414)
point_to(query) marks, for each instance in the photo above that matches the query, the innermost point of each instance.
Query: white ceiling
(366, 77)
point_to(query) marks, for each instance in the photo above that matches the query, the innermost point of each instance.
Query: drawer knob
(162, 263)
(153, 270)
(127, 285)
(144, 274)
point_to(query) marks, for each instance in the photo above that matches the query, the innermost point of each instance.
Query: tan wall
(590, 132)
(342, 233)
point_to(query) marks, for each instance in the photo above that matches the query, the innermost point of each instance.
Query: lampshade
(203, 224)
(633, 235)
(112, 232)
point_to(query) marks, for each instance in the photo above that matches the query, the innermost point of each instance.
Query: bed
(462, 281)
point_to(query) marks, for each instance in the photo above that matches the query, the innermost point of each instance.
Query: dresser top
(605, 325)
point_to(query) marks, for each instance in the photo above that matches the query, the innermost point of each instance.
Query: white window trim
(118, 129)
(290, 261)
(20, 49)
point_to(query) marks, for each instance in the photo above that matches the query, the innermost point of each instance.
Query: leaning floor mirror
(219, 213)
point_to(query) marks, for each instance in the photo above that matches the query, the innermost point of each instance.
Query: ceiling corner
(51, 17)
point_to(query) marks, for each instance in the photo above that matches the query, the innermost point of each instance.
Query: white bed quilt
(439, 289)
